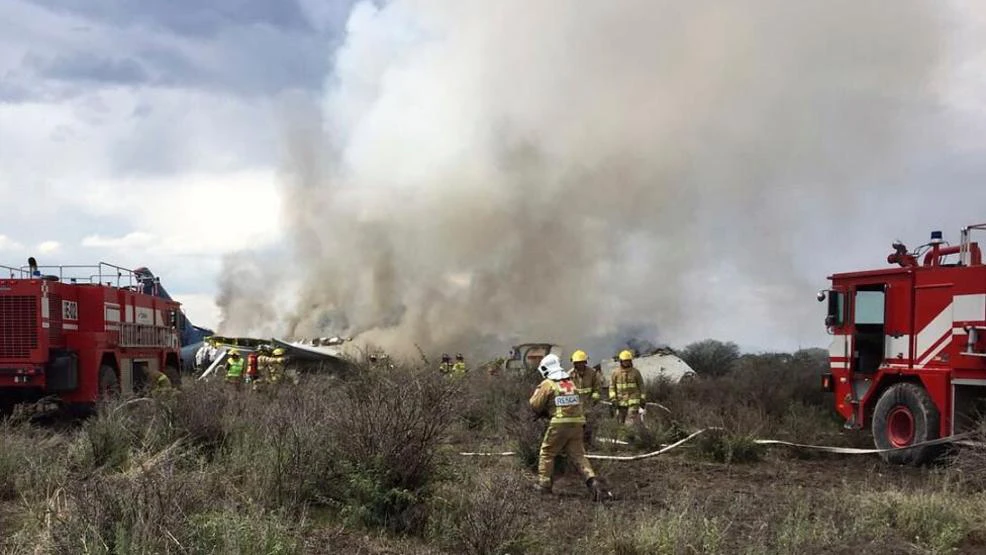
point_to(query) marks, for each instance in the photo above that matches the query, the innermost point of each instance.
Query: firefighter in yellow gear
(626, 390)
(459, 368)
(275, 366)
(588, 383)
(234, 368)
(157, 382)
(556, 398)
(446, 366)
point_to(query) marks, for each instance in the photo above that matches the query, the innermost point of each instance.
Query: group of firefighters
(455, 369)
(566, 397)
(263, 366)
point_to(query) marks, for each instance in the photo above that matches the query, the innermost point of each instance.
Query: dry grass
(367, 464)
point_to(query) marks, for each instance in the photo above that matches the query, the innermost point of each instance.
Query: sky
(145, 133)
(153, 133)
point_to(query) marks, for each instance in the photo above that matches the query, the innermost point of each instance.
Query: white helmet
(550, 368)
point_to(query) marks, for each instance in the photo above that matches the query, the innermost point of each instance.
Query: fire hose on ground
(957, 439)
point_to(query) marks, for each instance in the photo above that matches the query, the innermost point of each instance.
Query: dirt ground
(750, 496)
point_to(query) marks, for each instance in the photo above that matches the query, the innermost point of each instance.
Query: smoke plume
(481, 172)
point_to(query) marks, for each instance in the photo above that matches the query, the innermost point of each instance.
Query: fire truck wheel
(109, 384)
(174, 375)
(905, 415)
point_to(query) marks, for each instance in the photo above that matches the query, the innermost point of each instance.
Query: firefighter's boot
(598, 490)
(543, 488)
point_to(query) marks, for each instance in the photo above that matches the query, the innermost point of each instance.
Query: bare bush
(774, 394)
(198, 412)
(485, 515)
(488, 402)
(388, 424)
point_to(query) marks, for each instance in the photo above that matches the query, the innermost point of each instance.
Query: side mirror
(821, 295)
(833, 315)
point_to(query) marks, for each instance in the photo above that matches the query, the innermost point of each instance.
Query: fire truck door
(126, 376)
(869, 333)
(898, 322)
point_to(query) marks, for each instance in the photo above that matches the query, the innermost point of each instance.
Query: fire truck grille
(18, 326)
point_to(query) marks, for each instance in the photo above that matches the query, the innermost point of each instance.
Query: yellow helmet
(626, 355)
(233, 352)
(279, 351)
(580, 356)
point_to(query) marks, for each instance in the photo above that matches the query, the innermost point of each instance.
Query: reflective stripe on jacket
(626, 387)
(560, 400)
(234, 368)
(589, 383)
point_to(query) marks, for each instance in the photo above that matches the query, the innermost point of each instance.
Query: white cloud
(130, 240)
(191, 214)
(200, 308)
(8, 244)
(48, 247)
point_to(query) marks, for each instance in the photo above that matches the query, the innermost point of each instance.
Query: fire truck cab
(908, 350)
(75, 334)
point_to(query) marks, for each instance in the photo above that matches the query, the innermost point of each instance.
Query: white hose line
(823, 448)
(648, 455)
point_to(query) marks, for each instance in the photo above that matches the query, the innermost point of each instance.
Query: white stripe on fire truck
(112, 311)
(897, 346)
(838, 346)
(70, 326)
(936, 348)
(932, 334)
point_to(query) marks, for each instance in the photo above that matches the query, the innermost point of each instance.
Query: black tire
(173, 375)
(905, 415)
(109, 383)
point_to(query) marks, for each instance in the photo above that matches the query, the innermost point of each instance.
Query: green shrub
(483, 514)
(939, 521)
(229, 530)
(725, 447)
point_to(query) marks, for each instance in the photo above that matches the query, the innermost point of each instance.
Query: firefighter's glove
(642, 411)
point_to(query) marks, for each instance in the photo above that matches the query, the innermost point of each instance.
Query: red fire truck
(908, 351)
(74, 334)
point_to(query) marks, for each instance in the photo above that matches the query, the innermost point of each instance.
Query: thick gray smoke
(486, 171)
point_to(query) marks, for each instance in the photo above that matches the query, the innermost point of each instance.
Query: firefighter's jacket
(158, 381)
(445, 368)
(234, 368)
(626, 387)
(589, 383)
(272, 367)
(459, 369)
(558, 400)
(251, 366)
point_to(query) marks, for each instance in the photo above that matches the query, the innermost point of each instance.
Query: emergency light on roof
(936, 238)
